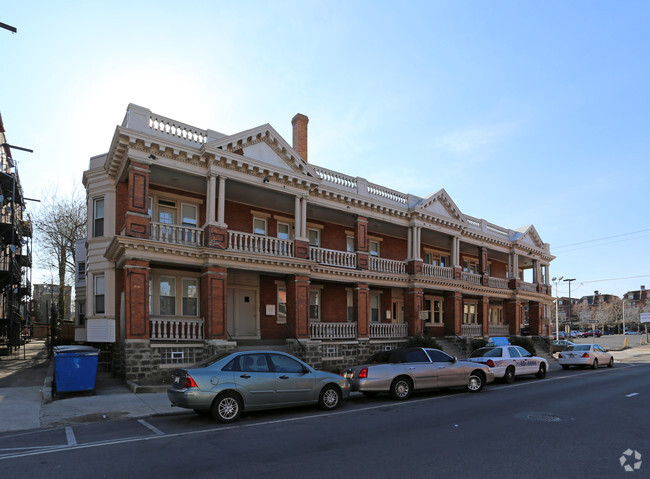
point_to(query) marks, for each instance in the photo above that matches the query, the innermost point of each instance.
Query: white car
(509, 361)
(584, 355)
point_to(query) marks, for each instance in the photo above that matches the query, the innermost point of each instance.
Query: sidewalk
(26, 402)
(25, 394)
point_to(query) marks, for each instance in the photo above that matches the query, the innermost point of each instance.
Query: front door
(242, 313)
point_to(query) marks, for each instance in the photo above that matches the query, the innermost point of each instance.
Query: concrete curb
(139, 389)
(46, 390)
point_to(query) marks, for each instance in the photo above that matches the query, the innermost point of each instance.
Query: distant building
(44, 296)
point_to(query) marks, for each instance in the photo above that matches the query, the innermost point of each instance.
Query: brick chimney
(299, 123)
(644, 293)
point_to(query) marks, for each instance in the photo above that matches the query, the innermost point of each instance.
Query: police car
(508, 361)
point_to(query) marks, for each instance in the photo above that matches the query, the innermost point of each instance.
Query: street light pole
(569, 281)
(557, 300)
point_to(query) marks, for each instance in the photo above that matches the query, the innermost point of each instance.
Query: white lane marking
(69, 434)
(632, 395)
(266, 423)
(151, 427)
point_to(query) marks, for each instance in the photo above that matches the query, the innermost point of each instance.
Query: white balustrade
(333, 330)
(499, 330)
(471, 330)
(471, 278)
(387, 194)
(434, 271)
(251, 243)
(336, 178)
(500, 283)
(176, 234)
(173, 329)
(333, 257)
(390, 266)
(388, 330)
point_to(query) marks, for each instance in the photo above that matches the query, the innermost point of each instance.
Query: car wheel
(565, 366)
(610, 364)
(541, 374)
(476, 382)
(227, 407)
(594, 365)
(401, 388)
(509, 376)
(330, 398)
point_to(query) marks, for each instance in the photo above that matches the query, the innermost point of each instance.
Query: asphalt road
(575, 423)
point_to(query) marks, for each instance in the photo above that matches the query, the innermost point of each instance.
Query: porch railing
(434, 271)
(333, 330)
(471, 278)
(383, 265)
(332, 257)
(471, 330)
(530, 287)
(176, 234)
(173, 329)
(388, 330)
(500, 283)
(499, 330)
(251, 243)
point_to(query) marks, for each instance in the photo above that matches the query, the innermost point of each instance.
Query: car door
(420, 368)
(294, 384)
(529, 365)
(255, 380)
(448, 372)
(516, 360)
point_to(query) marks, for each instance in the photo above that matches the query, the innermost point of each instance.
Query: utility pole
(569, 281)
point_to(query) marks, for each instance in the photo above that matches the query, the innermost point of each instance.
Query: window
(188, 213)
(284, 231)
(374, 307)
(416, 356)
(259, 226)
(167, 296)
(285, 364)
(350, 305)
(98, 217)
(374, 248)
(314, 237)
(349, 244)
(469, 313)
(150, 295)
(81, 307)
(436, 259)
(513, 352)
(190, 297)
(314, 305)
(99, 294)
(470, 266)
(81, 271)
(150, 207)
(434, 307)
(439, 357)
(282, 304)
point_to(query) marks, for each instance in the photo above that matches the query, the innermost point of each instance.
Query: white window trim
(432, 312)
(280, 286)
(266, 226)
(198, 298)
(196, 215)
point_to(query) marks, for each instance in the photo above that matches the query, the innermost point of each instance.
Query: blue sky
(525, 112)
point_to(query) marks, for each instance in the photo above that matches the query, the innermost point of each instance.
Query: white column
(409, 253)
(221, 209)
(514, 258)
(303, 217)
(212, 199)
(418, 242)
(455, 251)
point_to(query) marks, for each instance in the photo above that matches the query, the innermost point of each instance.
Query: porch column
(455, 257)
(361, 307)
(484, 314)
(483, 265)
(414, 261)
(221, 208)
(361, 241)
(215, 234)
(413, 300)
(512, 312)
(210, 217)
(300, 241)
(453, 313)
(535, 320)
(136, 299)
(137, 219)
(536, 272)
(513, 265)
(213, 302)
(298, 305)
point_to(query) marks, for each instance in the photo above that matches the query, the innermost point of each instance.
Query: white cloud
(473, 139)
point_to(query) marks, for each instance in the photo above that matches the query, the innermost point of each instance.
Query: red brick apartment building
(200, 242)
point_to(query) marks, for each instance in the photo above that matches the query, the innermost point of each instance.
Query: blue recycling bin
(75, 368)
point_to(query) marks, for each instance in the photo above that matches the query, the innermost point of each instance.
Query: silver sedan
(401, 371)
(228, 384)
(583, 355)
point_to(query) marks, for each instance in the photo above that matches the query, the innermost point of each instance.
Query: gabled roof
(266, 145)
(440, 204)
(527, 235)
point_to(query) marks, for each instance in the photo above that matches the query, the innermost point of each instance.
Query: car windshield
(487, 353)
(210, 361)
(578, 347)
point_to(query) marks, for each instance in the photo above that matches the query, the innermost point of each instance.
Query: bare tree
(58, 224)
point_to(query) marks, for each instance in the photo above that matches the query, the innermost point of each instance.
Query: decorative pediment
(440, 204)
(264, 145)
(527, 235)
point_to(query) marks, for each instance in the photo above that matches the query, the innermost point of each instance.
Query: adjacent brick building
(201, 241)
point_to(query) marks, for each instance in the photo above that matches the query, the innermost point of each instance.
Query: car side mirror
(306, 370)
(454, 359)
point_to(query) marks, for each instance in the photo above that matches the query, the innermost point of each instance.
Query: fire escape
(15, 255)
